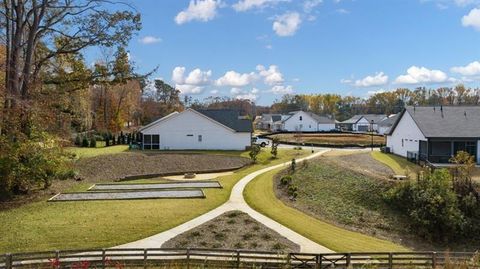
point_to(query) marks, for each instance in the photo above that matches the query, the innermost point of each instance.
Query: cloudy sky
(262, 49)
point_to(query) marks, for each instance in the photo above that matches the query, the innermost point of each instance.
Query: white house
(301, 121)
(387, 123)
(363, 123)
(198, 130)
(435, 134)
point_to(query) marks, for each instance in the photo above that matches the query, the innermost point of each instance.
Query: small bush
(78, 141)
(93, 142)
(266, 236)
(292, 191)
(233, 214)
(238, 245)
(247, 236)
(286, 180)
(293, 165)
(85, 143)
(254, 151)
(278, 246)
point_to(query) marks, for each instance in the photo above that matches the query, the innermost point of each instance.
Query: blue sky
(261, 49)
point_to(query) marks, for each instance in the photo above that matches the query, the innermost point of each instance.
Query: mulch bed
(157, 186)
(118, 166)
(233, 230)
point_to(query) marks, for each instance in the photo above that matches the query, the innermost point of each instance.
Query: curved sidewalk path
(236, 202)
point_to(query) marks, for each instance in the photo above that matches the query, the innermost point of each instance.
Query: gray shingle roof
(449, 121)
(388, 122)
(369, 117)
(317, 118)
(353, 119)
(229, 118)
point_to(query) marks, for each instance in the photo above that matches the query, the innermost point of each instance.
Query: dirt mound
(117, 166)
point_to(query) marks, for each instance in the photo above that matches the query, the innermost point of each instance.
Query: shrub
(254, 151)
(30, 162)
(78, 141)
(274, 151)
(292, 191)
(85, 142)
(286, 180)
(431, 205)
(293, 165)
(93, 142)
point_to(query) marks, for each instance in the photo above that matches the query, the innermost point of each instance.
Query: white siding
(383, 129)
(325, 127)
(174, 133)
(361, 122)
(408, 131)
(307, 124)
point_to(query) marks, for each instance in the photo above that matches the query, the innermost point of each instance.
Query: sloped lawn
(41, 225)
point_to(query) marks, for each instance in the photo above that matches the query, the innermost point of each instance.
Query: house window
(189, 134)
(300, 117)
(151, 141)
(309, 126)
(200, 138)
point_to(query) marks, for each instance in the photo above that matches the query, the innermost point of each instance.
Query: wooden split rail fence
(217, 258)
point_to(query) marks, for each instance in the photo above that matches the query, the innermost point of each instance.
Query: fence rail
(217, 258)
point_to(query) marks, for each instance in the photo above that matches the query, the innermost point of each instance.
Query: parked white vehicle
(262, 142)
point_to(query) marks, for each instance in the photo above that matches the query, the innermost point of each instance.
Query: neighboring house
(200, 130)
(387, 123)
(301, 121)
(435, 134)
(363, 123)
(267, 122)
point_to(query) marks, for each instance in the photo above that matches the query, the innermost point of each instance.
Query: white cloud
(472, 19)
(235, 79)
(198, 77)
(309, 5)
(199, 10)
(379, 79)
(178, 75)
(271, 76)
(370, 93)
(281, 89)
(150, 40)
(244, 5)
(342, 11)
(215, 92)
(192, 83)
(346, 81)
(419, 75)
(287, 24)
(245, 95)
(471, 69)
(268, 47)
(189, 89)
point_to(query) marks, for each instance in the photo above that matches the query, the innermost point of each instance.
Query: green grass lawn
(260, 195)
(93, 224)
(398, 164)
(92, 152)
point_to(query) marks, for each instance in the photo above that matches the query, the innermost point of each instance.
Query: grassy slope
(92, 152)
(398, 164)
(259, 194)
(66, 225)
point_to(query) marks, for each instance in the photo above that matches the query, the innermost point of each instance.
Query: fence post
(349, 259)
(57, 257)
(103, 258)
(238, 258)
(188, 258)
(390, 260)
(289, 260)
(145, 258)
(318, 261)
(434, 259)
(8, 261)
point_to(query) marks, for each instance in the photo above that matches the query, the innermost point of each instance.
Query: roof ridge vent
(465, 113)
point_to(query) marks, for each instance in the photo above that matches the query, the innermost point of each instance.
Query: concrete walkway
(236, 202)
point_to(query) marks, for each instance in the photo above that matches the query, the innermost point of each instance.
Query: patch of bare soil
(117, 166)
(364, 164)
(233, 230)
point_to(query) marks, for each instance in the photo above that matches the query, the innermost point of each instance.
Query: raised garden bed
(127, 195)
